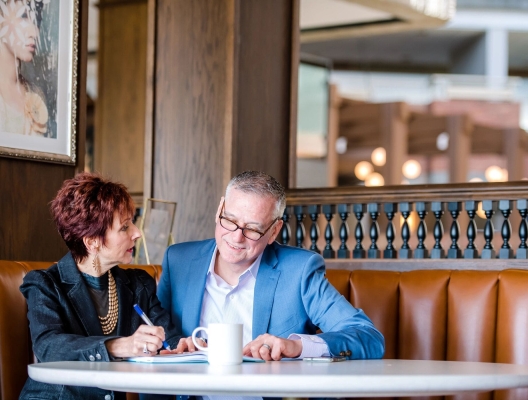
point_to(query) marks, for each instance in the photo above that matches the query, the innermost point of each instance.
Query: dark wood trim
(426, 264)
(410, 193)
(82, 99)
(294, 89)
(118, 3)
(150, 99)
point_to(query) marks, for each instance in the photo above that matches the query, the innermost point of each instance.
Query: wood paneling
(222, 96)
(120, 110)
(261, 135)
(27, 232)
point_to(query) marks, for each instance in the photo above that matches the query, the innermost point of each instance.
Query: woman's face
(120, 240)
(18, 34)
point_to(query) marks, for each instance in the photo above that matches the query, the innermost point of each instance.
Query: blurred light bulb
(363, 169)
(442, 141)
(476, 180)
(374, 179)
(411, 169)
(379, 156)
(341, 145)
(494, 174)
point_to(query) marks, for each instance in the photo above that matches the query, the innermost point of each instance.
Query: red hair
(84, 208)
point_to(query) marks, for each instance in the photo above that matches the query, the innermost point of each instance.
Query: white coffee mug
(224, 343)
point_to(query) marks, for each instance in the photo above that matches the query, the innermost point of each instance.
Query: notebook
(183, 358)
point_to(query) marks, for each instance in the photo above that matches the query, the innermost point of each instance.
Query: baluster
(506, 207)
(522, 251)
(488, 251)
(314, 211)
(390, 210)
(471, 250)
(437, 208)
(454, 251)
(344, 212)
(405, 251)
(286, 230)
(373, 209)
(300, 232)
(421, 251)
(358, 252)
(329, 211)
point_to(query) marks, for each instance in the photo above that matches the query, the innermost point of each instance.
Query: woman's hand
(146, 337)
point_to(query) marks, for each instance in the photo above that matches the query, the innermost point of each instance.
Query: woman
(81, 309)
(22, 106)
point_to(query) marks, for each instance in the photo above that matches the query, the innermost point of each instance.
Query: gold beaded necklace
(109, 322)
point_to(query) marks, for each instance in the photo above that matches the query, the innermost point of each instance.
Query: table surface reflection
(358, 378)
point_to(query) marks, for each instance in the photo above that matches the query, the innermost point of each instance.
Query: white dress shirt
(234, 304)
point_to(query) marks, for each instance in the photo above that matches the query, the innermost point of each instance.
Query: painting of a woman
(23, 108)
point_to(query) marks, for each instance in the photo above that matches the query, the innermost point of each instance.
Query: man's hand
(185, 344)
(269, 347)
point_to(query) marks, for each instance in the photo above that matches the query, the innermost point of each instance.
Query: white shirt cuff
(312, 345)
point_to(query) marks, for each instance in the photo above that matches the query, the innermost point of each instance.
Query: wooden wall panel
(26, 230)
(261, 139)
(189, 155)
(120, 108)
(222, 95)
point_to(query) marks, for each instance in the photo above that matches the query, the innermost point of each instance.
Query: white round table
(361, 378)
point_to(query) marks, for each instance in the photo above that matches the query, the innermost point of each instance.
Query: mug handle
(200, 328)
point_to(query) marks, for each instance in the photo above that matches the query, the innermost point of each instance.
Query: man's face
(247, 211)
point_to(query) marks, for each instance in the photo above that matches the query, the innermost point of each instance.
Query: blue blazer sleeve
(303, 300)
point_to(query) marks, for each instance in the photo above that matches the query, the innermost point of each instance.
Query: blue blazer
(292, 295)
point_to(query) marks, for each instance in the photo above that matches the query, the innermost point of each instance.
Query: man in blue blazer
(279, 293)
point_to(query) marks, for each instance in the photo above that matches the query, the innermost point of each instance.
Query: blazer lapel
(79, 296)
(195, 288)
(267, 279)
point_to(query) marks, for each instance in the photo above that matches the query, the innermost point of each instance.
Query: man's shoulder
(191, 248)
(289, 252)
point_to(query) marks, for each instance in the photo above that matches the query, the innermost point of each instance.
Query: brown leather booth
(15, 341)
(423, 314)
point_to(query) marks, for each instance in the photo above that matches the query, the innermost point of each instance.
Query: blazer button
(108, 397)
(348, 353)
(91, 358)
(342, 353)
(98, 356)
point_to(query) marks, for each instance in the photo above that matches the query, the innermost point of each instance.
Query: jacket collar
(196, 273)
(81, 300)
(267, 279)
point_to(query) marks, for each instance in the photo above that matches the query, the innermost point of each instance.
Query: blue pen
(148, 322)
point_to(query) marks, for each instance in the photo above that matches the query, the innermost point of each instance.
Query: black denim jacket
(64, 324)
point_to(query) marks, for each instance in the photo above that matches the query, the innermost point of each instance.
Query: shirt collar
(253, 268)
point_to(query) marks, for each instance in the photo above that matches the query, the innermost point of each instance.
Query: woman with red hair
(81, 309)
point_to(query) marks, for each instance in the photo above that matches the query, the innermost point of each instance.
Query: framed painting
(38, 79)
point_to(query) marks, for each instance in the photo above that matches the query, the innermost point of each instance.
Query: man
(279, 293)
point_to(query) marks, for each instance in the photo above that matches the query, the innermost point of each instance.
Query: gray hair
(261, 184)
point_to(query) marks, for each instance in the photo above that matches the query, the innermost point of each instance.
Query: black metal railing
(373, 212)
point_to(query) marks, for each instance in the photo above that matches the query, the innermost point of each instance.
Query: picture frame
(156, 224)
(38, 120)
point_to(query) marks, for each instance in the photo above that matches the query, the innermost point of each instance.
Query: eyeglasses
(249, 233)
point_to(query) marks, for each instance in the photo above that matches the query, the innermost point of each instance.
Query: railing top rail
(454, 192)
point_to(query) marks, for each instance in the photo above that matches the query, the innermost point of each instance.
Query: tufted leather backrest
(15, 341)
(424, 314)
(446, 315)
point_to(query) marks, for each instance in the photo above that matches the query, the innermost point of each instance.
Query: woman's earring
(96, 265)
